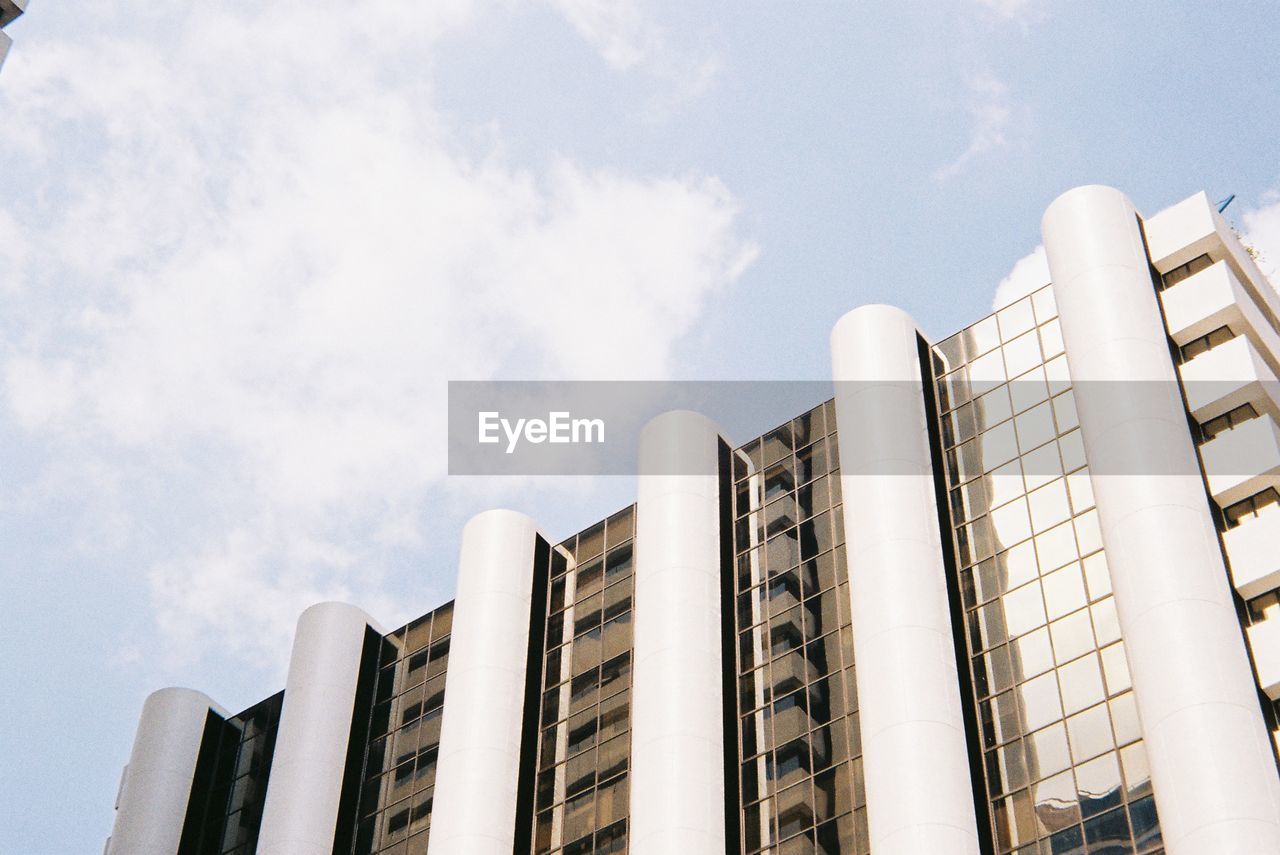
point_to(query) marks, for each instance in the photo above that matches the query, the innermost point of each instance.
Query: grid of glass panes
(584, 745)
(257, 726)
(801, 773)
(404, 738)
(1065, 767)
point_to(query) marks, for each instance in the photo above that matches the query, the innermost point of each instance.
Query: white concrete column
(677, 726)
(479, 763)
(1212, 768)
(915, 755)
(156, 786)
(301, 812)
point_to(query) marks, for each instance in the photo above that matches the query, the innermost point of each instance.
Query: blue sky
(243, 246)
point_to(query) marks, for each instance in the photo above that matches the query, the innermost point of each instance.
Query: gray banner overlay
(594, 427)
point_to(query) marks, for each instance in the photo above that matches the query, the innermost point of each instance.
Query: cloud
(991, 114)
(1029, 273)
(628, 39)
(1262, 232)
(1008, 9)
(616, 28)
(242, 266)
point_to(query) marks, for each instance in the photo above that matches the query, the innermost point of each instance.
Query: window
(1186, 271)
(1194, 348)
(1253, 506)
(1228, 420)
(1264, 607)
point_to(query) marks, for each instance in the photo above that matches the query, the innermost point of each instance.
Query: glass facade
(584, 731)
(230, 786)
(798, 738)
(399, 768)
(1062, 758)
(1058, 761)
(1065, 767)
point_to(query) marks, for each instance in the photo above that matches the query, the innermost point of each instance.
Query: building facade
(1016, 591)
(9, 12)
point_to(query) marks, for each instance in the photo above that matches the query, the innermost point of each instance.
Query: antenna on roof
(1222, 206)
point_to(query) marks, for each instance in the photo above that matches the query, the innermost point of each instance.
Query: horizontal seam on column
(711, 492)
(858, 387)
(936, 824)
(667, 567)
(897, 724)
(852, 471)
(484, 748)
(1165, 603)
(1155, 725)
(1197, 828)
(1087, 270)
(1157, 506)
(343, 686)
(880, 544)
(875, 635)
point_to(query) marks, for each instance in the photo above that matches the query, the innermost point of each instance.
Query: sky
(244, 246)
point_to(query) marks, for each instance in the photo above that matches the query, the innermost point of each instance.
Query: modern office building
(1011, 592)
(9, 12)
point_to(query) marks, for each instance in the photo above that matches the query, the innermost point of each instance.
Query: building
(1015, 591)
(9, 12)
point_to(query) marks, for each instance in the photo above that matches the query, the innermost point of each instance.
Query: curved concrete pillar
(301, 812)
(480, 738)
(157, 782)
(677, 707)
(915, 753)
(1212, 768)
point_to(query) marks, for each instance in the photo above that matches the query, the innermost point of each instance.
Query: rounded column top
(876, 342)
(1087, 195)
(1090, 227)
(175, 698)
(679, 442)
(501, 518)
(335, 613)
(493, 543)
(870, 316)
(682, 421)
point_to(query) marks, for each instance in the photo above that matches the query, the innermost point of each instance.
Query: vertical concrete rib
(157, 782)
(1212, 769)
(915, 753)
(677, 739)
(301, 812)
(480, 739)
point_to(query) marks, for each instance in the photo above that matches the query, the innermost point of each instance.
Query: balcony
(1253, 550)
(1229, 375)
(1215, 298)
(1264, 640)
(1242, 461)
(1193, 227)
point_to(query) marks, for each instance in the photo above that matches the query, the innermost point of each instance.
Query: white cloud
(1008, 9)
(628, 39)
(1028, 273)
(1262, 232)
(244, 264)
(991, 115)
(616, 28)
